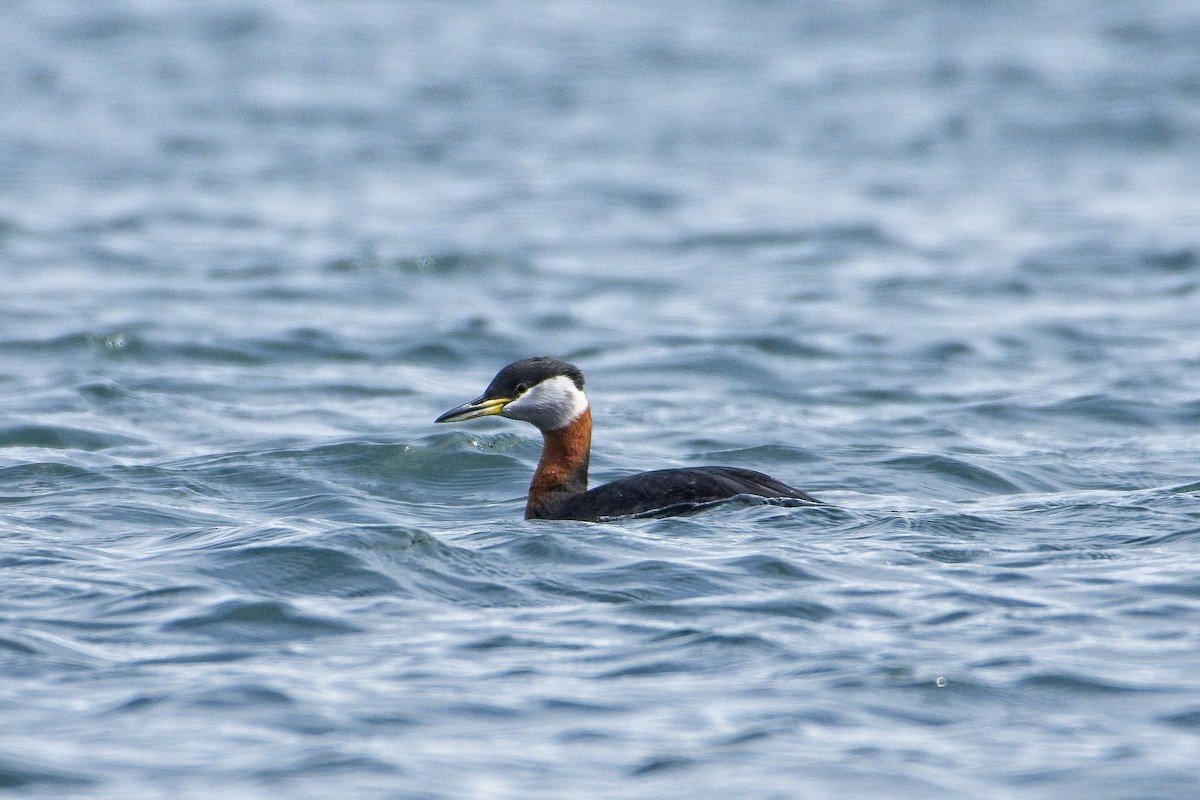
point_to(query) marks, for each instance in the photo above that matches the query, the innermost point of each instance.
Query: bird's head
(543, 391)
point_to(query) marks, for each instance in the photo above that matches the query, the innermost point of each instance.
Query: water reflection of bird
(549, 394)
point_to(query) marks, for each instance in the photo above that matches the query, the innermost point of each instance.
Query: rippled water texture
(936, 263)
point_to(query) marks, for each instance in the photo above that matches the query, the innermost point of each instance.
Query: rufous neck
(563, 467)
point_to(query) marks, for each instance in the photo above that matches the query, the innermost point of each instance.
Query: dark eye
(522, 388)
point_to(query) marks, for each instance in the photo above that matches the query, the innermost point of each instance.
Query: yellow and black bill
(480, 407)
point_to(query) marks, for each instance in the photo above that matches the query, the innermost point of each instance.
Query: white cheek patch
(550, 405)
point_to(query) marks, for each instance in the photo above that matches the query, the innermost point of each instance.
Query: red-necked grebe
(549, 394)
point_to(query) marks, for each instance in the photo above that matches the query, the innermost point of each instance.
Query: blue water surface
(937, 263)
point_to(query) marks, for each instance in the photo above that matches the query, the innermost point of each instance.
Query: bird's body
(666, 490)
(549, 394)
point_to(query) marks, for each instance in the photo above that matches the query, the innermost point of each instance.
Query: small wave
(842, 236)
(34, 481)
(957, 471)
(298, 570)
(1094, 408)
(759, 455)
(772, 567)
(1187, 720)
(785, 606)
(241, 696)
(116, 343)
(1071, 683)
(62, 437)
(237, 621)
(29, 775)
(1186, 587)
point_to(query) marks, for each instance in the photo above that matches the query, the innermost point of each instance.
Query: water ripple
(235, 621)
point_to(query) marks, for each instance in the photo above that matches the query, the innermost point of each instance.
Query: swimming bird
(549, 394)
